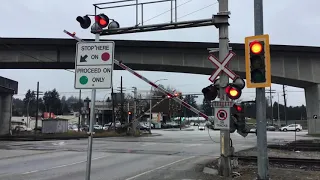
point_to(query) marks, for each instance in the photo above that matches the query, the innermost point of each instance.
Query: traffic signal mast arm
(123, 66)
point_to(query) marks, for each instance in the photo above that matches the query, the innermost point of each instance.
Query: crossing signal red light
(238, 108)
(233, 92)
(84, 21)
(102, 20)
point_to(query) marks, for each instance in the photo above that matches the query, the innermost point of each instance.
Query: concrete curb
(178, 130)
(68, 137)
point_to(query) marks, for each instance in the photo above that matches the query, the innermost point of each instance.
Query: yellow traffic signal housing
(258, 65)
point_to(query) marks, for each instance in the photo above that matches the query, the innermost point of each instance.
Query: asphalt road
(174, 155)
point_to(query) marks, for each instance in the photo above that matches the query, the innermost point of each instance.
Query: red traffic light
(238, 108)
(102, 20)
(233, 92)
(256, 47)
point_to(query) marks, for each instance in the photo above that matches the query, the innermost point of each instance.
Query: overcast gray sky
(290, 22)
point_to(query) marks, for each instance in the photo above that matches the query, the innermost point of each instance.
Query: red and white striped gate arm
(123, 66)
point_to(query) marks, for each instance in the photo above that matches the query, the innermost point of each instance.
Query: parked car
(292, 127)
(271, 128)
(202, 127)
(98, 127)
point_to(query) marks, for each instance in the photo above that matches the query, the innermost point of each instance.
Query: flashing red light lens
(256, 47)
(238, 108)
(233, 92)
(103, 22)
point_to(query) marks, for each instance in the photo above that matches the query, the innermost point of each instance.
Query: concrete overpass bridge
(8, 87)
(297, 66)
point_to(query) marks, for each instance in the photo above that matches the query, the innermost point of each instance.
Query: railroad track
(282, 160)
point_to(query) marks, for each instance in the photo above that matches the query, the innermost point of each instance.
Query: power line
(166, 11)
(198, 10)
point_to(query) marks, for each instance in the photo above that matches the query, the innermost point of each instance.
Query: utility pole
(270, 91)
(121, 97)
(263, 161)
(271, 105)
(279, 121)
(113, 115)
(37, 111)
(285, 103)
(225, 163)
(79, 119)
(134, 110)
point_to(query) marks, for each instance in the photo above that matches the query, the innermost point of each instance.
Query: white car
(292, 127)
(97, 127)
(201, 127)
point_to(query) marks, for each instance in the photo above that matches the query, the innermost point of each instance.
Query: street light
(151, 100)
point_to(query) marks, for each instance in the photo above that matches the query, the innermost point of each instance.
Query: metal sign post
(225, 163)
(94, 67)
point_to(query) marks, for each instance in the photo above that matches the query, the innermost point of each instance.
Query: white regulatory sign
(93, 77)
(222, 118)
(94, 65)
(94, 53)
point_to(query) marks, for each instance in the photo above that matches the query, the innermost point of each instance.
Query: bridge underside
(148, 67)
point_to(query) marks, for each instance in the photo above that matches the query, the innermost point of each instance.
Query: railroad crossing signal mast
(103, 26)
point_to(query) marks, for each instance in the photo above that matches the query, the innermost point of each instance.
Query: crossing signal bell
(258, 66)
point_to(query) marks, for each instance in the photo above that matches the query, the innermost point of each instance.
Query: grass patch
(314, 135)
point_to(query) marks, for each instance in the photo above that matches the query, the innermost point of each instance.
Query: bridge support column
(5, 113)
(312, 94)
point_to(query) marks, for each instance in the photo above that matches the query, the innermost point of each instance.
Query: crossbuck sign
(222, 66)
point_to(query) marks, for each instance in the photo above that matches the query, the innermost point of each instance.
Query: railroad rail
(299, 163)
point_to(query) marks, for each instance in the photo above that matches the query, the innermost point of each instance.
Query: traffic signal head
(210, 92)
(257, 57)
(102, 20)
(84, 21)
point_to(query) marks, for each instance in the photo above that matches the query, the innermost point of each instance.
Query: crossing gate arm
(124, 67)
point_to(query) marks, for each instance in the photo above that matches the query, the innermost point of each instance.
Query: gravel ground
(248, 171)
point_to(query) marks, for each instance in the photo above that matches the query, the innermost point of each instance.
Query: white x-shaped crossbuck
(222, 66)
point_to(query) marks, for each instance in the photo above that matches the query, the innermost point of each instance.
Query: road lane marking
(191, 145)
(146, 172)
(64, 165)
(148, 144)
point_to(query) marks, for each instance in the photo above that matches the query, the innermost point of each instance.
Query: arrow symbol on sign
(83, 58)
